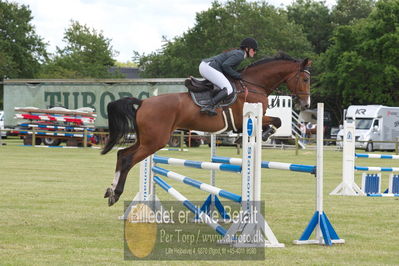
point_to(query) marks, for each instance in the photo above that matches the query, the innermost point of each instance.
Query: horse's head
(299, 83)
(269, 73)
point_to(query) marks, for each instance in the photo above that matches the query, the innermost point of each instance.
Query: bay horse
(154, 119)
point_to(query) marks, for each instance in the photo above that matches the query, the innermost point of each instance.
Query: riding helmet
(249, 43)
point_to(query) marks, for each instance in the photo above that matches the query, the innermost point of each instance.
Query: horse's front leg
(270, 124)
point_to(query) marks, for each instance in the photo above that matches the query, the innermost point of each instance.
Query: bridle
(295, 94)
(296, 75)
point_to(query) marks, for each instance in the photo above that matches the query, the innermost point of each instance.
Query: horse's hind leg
(121, 171)
(127, 158)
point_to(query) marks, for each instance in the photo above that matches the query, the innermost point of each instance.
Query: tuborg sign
(74, 94)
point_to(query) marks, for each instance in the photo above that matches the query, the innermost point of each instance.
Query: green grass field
(53, 211)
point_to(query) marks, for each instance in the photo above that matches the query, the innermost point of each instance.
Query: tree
(222, 27)
(87, 54)
(21, 49)
(315, 18)
(319, 23)
(349, 11)
(362, 65)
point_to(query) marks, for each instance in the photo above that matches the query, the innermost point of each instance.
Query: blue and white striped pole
(376, 156)
(382, 195)
(377, 169)
(197, 184)
(189, 205)
(196, 164)
(272, 165)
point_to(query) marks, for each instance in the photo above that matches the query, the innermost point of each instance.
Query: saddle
(202, 91)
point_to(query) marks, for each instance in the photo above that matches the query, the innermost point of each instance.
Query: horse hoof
(112, 200)
(267, 133)
(108, 193)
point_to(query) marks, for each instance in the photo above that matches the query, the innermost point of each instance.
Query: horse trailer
(377, 126)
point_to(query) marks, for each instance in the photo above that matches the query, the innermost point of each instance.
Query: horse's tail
(121, 121)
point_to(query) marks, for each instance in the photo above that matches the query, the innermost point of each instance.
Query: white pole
(213, 172)
(258, 154)
(213, 153)
(320, 150)
(319, 163)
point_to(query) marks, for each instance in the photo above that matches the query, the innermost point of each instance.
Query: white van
(373, 123)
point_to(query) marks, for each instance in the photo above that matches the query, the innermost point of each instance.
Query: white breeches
(215, 77)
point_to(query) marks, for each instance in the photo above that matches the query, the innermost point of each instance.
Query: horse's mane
(278, 56)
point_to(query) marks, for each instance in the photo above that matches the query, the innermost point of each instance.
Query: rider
(215, 68)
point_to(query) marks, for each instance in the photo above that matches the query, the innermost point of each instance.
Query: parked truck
(377, 126)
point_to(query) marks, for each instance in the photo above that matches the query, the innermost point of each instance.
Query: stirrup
(209, 110)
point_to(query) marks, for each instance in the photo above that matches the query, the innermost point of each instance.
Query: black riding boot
(210, 109)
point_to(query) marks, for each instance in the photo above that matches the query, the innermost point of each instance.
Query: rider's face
(251, 52)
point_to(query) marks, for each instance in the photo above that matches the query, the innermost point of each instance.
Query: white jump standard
(348, 186)
(324, 231)
(371, 183)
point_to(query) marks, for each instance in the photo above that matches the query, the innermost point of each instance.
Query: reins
(245, 89)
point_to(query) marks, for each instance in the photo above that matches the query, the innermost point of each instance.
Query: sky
(132, 25)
